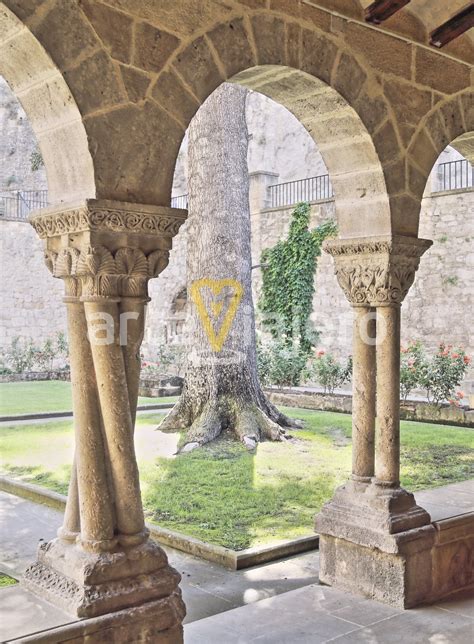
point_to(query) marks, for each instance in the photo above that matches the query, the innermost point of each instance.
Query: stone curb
(68, 414)
(231, 559)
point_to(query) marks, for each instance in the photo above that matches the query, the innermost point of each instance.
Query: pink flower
(321, 353)
(455, 356)
(467, 360)
(460, 395)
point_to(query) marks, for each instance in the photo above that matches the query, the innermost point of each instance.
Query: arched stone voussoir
(449, 123)
(51, 110)
(362, 204)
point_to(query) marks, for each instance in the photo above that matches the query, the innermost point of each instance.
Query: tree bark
(221, 389)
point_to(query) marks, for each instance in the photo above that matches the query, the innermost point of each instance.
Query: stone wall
(17, 143)
(30, 299)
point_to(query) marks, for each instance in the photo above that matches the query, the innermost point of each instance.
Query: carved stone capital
(376, 271)
(107, 249)
(113, 216)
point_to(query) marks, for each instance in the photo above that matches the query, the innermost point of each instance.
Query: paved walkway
(207, 588)
(277, 603)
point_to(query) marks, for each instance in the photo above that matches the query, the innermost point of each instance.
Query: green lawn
(6, 580)
(223, 494)
(50, 395)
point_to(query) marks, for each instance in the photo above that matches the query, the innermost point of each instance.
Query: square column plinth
(376, 542)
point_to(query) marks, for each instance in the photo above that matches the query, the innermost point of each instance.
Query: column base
(156, 622)
(376, 542)
(87, 584)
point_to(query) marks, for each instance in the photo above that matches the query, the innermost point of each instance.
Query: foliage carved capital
(107, 251)
(97, 272)
(376, 271)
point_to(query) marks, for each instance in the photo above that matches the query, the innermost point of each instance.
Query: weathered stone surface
(293, 44)
(136, 83)
(452, 119)
(410, 107)
(78, 38)
(318, 55)
(197, 67)
(90, 98)
(386, 143)
(455, 75)
(183, 17)
(372, 109)
(314, 15)
(423, 151)
(127, 163)
(349, 77)
(117, 40)
(156, 46)
(383, 52)
(395, 579)
(269, 35)
(156, 622)
(231, 42)
(169, 92)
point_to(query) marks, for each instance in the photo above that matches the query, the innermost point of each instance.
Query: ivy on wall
(288, 271)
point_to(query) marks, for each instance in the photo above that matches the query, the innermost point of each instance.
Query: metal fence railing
(17, 204)
(292, 192)
(181, 201)
(454, 175)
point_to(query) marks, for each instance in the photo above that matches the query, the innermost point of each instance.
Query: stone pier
(374, 539)
(102, 562)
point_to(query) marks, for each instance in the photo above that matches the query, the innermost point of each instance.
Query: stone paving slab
(21, 613)
(318, 614)
(207, 588)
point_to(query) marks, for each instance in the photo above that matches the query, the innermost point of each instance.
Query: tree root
(249, 422)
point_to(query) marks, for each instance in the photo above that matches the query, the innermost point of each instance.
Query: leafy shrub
(167, 359)
(280, 363)
(413, 366)
(23, 355)
(329, 372)
(20, 355)
(444, 372)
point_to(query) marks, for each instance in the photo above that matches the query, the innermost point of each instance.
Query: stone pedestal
(102, 567)
(374, 539)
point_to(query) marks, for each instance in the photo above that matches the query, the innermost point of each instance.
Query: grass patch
(225, 495)
(6, 580)
(44, 396)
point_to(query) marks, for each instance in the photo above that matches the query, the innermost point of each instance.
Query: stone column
(387, 461)
(103, 562)
(374, 539)
(363, 394)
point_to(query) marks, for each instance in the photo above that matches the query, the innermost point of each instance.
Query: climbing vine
(288, 280)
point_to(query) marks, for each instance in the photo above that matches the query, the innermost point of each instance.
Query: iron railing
(181, 201)
(455, 175)
(17, 204)
(291, 192)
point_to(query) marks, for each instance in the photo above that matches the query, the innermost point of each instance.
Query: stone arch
(151, 93)
(321, 85)
(51, 110)
(450, 122)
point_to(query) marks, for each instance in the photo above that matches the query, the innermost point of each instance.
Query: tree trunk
(221, 389)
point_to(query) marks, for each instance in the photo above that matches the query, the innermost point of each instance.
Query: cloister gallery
(110, 88)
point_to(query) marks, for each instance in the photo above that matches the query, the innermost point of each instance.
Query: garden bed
(413, 410)
(230, 498)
